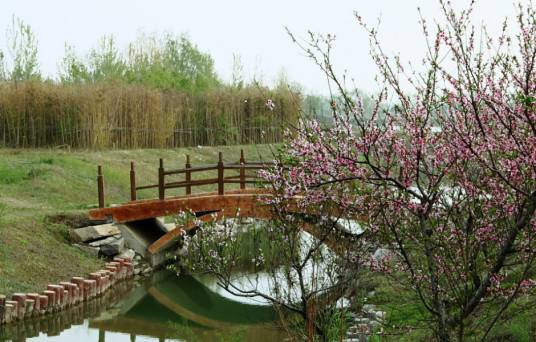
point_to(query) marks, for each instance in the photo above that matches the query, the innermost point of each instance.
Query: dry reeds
(105, 115)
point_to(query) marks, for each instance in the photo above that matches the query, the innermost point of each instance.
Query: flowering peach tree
(442, 171)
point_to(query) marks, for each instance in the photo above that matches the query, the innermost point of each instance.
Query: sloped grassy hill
(42, 190)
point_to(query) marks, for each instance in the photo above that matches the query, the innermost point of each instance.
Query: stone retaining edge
(60, 296)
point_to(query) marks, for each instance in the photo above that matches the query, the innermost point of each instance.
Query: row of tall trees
(171, 62)
(161, 91)
(168, 62)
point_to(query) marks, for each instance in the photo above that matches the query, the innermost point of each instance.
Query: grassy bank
(407, 320)
(38, 185)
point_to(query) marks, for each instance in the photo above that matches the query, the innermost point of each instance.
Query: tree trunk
(443, 332)
(310, 316)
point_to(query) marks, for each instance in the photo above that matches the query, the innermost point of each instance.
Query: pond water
(163, 307)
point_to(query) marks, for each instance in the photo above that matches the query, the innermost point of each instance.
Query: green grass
(404, 310)
(36, 184)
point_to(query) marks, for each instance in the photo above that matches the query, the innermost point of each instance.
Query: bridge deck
(243, 202)
(246, 201)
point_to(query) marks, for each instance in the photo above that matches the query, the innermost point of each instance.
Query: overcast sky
(252, 29)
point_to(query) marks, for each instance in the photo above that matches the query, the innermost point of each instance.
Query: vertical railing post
(100, 186)
(188, 175)
(220, 174)
(242, 170)
(161, 185)
(132, 182)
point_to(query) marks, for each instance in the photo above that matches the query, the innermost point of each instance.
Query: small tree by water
(301, 276)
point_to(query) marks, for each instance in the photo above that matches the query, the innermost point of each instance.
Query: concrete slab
(93, 232)
(139, 235)
(105, 241)
(166, 226)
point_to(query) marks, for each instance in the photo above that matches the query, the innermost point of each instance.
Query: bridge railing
(242, 178)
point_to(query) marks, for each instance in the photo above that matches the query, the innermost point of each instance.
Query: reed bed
(104, 115)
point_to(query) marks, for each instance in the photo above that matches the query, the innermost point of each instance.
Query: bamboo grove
(103, 115)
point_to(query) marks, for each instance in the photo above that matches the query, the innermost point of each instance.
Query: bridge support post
(188, 175)
(100, 186)
(132, 182)
(242, 170)
(161, 186)
(220, 174)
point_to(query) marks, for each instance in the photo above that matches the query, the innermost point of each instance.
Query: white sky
(250, 28)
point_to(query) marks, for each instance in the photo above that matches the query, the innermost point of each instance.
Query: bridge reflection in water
(164, 307)
(170, 307)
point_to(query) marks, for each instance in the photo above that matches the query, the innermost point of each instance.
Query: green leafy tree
(105, 62)
(237, 78)
(22, 45)
(173, 62)
(72, 69)
(2, 67)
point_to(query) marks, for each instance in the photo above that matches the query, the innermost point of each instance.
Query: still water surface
(162, 308)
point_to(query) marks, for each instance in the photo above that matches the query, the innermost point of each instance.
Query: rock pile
(101, 240)
(364, 325)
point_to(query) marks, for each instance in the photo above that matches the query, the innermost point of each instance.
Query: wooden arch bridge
(138, 217)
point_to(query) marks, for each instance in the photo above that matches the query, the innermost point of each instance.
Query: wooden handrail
(100, 186)
(241, 178)
(231, 166)
(183, 184)
(245, 167)
(192, 169)
(188, 175)
(132, 182)
(193, 182)
(220, 174)
(161, 184)
(143, 187)
(246, 181)
(242, 171)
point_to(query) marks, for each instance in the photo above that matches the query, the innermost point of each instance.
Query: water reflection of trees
(301, 265)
